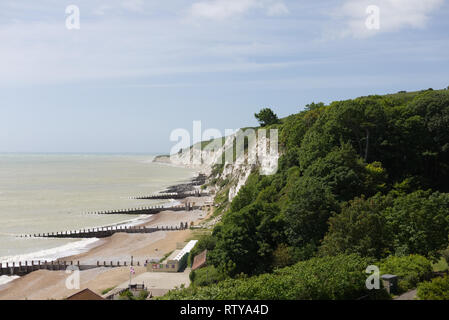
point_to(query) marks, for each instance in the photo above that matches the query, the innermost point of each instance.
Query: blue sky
(136, 70)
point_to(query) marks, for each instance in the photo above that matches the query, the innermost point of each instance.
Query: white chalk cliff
(239, 161)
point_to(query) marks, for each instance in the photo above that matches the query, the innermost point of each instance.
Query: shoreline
(117, 248)
(61, 251)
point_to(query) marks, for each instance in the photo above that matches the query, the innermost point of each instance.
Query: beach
(118, 248)
(43, 284)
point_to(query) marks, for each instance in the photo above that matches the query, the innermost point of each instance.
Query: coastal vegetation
(360, 182)
(105, 291)
(437, 289)
(335, 278)
(266, 117)
(128, 295)
(411, 270)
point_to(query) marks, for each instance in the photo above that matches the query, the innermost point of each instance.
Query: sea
(41, 193)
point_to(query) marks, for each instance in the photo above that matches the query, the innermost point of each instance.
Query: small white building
(176, 261)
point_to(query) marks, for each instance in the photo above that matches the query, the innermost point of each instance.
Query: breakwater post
(24, 268)
(109, 231)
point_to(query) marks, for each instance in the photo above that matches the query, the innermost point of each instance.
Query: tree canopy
(365, 178)
(266, 117)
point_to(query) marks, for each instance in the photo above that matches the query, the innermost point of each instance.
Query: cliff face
(228, 164)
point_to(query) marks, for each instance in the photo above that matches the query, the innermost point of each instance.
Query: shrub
(445, 254)
(143, 295)
(437, 289)
(105, 291)
(359, 228)
(206, 276)
(419, 223)
(285, 256)
(128, 295)
(205, 242)
(411, 270)
(331, 278)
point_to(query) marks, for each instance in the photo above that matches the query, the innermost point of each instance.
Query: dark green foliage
(415, 223)
(342, 171)
(419, 223)
(205, 242)
(266, 117)
(437, 289)
(445, 255)
(433, 110)
(359, 228)
(306, 217)
(285, 256)
(246, 239)
(410, 269)
(206, 276)
(128, 295)
(350, 181)
(331, 278)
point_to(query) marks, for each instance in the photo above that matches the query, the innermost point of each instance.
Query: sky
(136, 70)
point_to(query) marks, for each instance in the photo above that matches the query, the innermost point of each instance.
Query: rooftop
(185, 250)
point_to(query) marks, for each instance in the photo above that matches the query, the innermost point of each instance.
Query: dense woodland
(360, 182)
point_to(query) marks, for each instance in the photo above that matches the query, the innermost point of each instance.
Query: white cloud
(127, 48)
(223, 9)
(394, 15)
(133, 5)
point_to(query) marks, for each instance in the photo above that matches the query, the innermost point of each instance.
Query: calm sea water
(52, 192)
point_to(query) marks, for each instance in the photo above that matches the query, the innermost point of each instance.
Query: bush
(419, 223)
(437, 289)
(411, 270)
(128, 295)
(359, 228)
(105, 291)
(445, 254)
(206, 276)
(331, 278)
(205, 242)
(285, 256)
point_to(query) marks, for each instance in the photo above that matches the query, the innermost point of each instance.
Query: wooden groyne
(199, 180)
(24, 268)
(105, 232)
(21, 269)
(173, 195)
(146, 210)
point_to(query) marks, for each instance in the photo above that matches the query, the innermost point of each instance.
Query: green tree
(359, 228)
(246, 240)
(419, 223)
(312, 203)
(266, 117)
(342, 171)
(433, 108)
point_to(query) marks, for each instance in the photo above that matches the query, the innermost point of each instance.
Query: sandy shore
(142, 247)
(42, 284)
